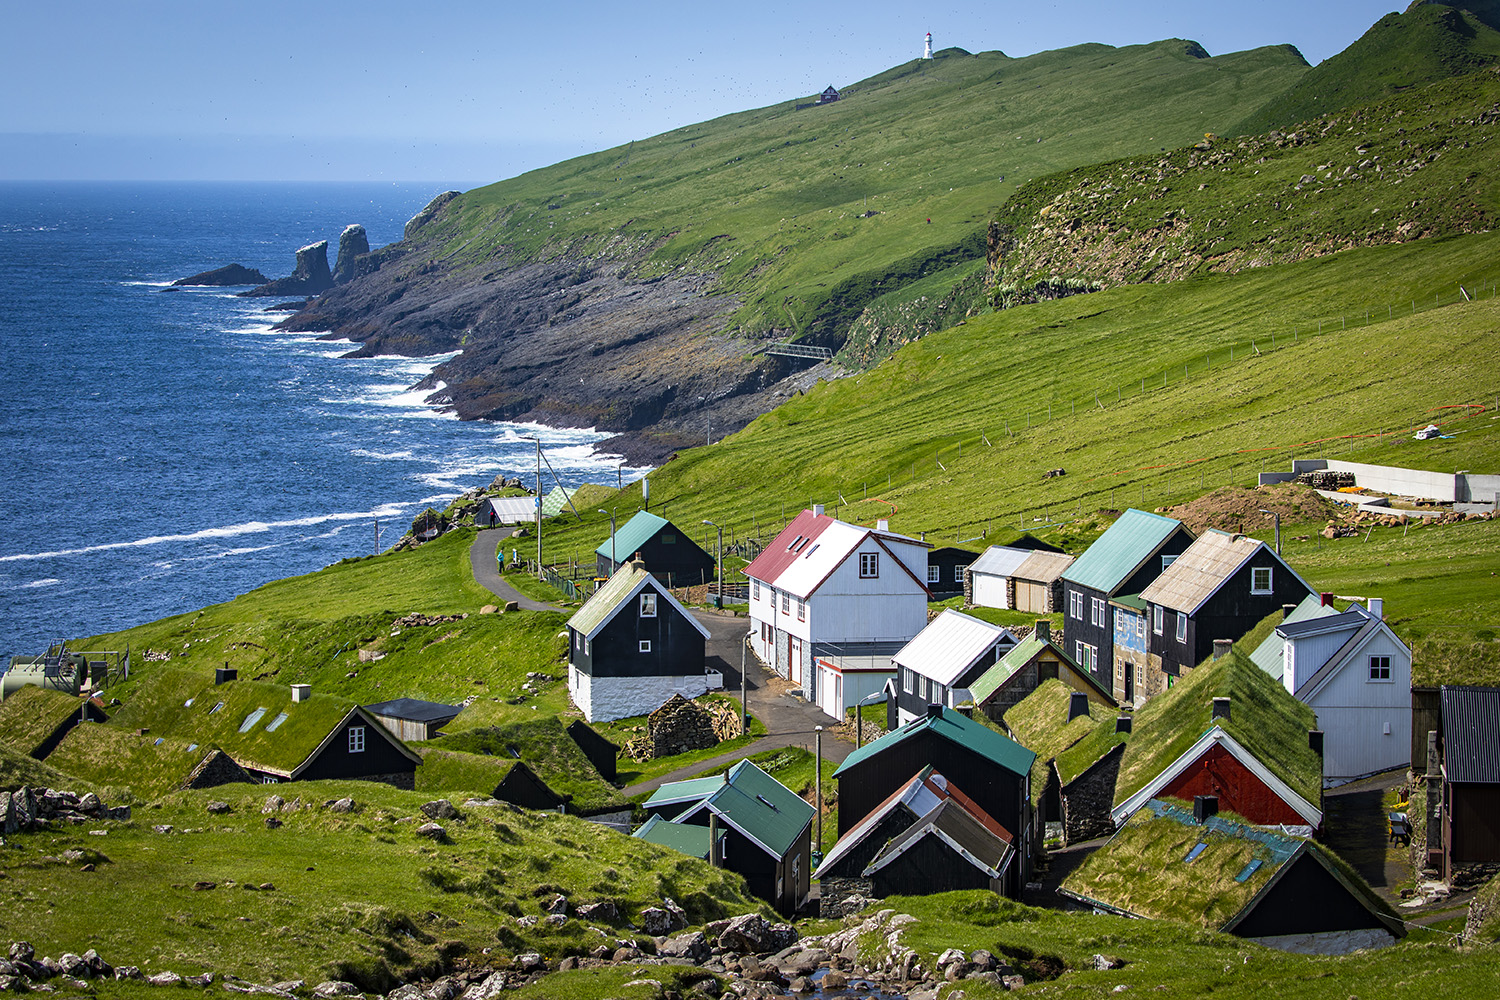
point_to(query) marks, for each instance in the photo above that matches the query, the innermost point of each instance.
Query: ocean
(165, 449)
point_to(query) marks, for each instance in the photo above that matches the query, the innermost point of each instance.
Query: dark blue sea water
(165, 450)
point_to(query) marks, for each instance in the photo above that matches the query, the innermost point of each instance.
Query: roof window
(252, 719)
(1248, 870)
(276, 723)
(793, 547)
(1193, 854)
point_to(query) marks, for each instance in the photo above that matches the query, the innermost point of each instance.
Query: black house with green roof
(996, 775)
(669, 554)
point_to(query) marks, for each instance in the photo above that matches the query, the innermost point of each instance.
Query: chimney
(1221, 709)
(1043, 630)
(1205, 807)
(1286, 611)
(817, 510)
(1326, 598)
(883, 525)
(1122, 723)
(1377, 607)
(1222, 647)
(637, 562)
(225, 673)
(301, 692)
(1315, 741)
(1078, 704)
(934, 711)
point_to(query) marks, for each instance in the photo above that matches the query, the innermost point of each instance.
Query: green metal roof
(1117, 553)
(748, 799)
(957, 728)
(554, 502)
(693, 790)
(990, 681)
(1132, 601)
(632, 535)
(683, 837)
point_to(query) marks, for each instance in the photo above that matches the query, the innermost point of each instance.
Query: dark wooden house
(631, 647)
(1035, 660)
(1130, 554)
(602, 753)
(828, 96)
(668, 554)
(1172, 862)
(945, 571)
(1470, 749)
(1218, 588)
(996, 774)
(357, 747)
(521, 787)
(767, 829)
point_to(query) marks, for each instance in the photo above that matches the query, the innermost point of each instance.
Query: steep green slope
(1427, 43)
(1419, 165)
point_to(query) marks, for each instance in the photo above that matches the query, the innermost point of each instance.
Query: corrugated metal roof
(1043, 567)
(999, 560)
(1201, 570)
(800, 558)
(1127, 543)
(554, 502)
(632, 535)
(917, 796)
(965, 834)
(949, 645)
(684, 837)
(952, 726)
(761, 808)
(690, 790)
(628, 581)
(413, 710)
(1269, 654)
(512, 510)
(1471, 722)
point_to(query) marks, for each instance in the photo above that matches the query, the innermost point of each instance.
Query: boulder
(310, 276)
(439, 809)
(128, 972)
(273, 804)
(747, 933)
(655, 921)
(353, 243)
(492, 986)
(336, 988)
(557, 904)
(692, 946)
(97, 966)
(432, 831)
(217, 808)
(531, 961)
(73, 965)
(228, 275)
(344, 805)
(603, 911)
(165, 979)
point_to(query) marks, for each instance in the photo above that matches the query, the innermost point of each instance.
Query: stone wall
(1014, 691)
(216, 769)
(1086, 803)
(678, 726)
(836, 892)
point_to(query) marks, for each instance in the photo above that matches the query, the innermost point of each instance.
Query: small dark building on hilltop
(828, 96)
(602, 753)
(668, 554)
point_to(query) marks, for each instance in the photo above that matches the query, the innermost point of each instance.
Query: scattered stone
(556, 919)
(432, 831)
(531, 962)
(205, 979)
(746, 933)
(336, 988)
(204, 886)
(833, 979)
(268, 887)
(692, 946)
(439, 809)
(344, 805)
(1104, 963)
(272, 823)
(603, 911)
(165, 979)
(22, 951)
(73, 965)
(217, 808)
(557, 904)
(163, 828)
(655, 921)
(492, 986)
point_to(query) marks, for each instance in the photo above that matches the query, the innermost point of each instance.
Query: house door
(796, 660)
(1129, 683)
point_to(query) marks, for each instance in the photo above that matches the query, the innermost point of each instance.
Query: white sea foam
(388, 456)
(50, 581)
(226, 531)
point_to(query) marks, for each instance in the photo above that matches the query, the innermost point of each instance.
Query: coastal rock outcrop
(353, 244)
(228, 275)
(310, 277)
(427, 214)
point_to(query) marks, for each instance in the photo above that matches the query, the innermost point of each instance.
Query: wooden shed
(414, 720)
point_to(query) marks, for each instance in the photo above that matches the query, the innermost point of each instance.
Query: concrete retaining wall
(1441, 486)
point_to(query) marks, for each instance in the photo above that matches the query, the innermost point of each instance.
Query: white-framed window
(958, 574)
(1158, 618)
(786, 603)
(1167, 561)
(645, 646)
(1075, 604)
(588, 647)
(648, 604)
(869, 565)
(356, 739)
(934, 574)
(1380, 668)
(577, 640)
(801, 610)
(1140, 627)
(1119, 620)
(269, 779)
(1181, 627)
(1098, 617)
(906, 680)
(1260, 579)
(1086, 655)
(755, 589)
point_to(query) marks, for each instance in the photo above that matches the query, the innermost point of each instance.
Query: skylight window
(1193, 854)
(252, 719)
(188, 703)
(793, 547)
(276, 723)
(158, 742)
(220, 705)
(810, 551)
(768, 802)
(1248, 870)
(192, 747)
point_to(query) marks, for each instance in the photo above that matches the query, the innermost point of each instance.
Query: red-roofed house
(824, 587)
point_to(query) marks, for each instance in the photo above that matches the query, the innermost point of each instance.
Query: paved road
(486, 573)
(789, 721)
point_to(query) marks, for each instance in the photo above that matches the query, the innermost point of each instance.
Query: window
(1380, 668)
(645, 646)
(869, 565)
(1086, 655)
(1140, 628)
(669, 539)
(1075, 605)
(1157, 618)
(356, 739)
(801, 610)
(755, 589)
(1260, 579)
(906, 680)
(958, 574)
(577, 640)
(588, 647)
(1098, 613)
(648, 605)
(1119, 620)
(1181, 627)
(786, 603)
(1167, 561)
(795, 541)
(934, 574)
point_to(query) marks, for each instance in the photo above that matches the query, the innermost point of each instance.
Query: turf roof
(109, 756)
(1264, 719)
(19, 770)
(1039, 722)
(32, 714)
(546, 747)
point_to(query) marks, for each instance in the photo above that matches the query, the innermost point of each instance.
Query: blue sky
(473, 92)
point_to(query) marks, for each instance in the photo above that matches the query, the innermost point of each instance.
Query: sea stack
(229, 274)
(353, 243)
(310, 277)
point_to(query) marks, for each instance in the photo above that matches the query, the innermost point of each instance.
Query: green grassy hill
(1400, 52)
(807, 214)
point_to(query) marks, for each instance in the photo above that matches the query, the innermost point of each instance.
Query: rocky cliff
(309, 277)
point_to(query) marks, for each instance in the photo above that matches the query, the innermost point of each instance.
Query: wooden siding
(1473, 824)
(929, 866)
(1231, 612)
(1219, 773)
(1306, 899)
(380, 756)
(681, 563)
(677, 648)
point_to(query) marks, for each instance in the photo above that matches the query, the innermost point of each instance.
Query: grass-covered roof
(148, 765)
(545, 746)
(1039, 722)
(1264, 719)
(32, 714)
(18, 770)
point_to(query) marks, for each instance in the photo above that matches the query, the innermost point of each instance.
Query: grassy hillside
(807, 214)
(1400, 52)
(1416, 166)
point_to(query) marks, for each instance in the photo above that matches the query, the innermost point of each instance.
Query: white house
(945, 657)
(826, 588)
(1354, 672)
(842, 681)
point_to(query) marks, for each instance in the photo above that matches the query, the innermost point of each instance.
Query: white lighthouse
(927, 49)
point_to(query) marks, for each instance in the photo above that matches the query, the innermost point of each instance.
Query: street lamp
(720, 563)
(859, 715)
(612, 565)
(540, 574)
(1277, 519)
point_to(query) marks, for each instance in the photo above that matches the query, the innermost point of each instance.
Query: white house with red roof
(825, 587)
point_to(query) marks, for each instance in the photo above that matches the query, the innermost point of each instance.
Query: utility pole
(818, 781)
(719, 563)
(613, 565)
(744, 688)
(538, 442)
(1276, 518)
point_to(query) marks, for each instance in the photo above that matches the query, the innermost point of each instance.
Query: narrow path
(487, 573)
